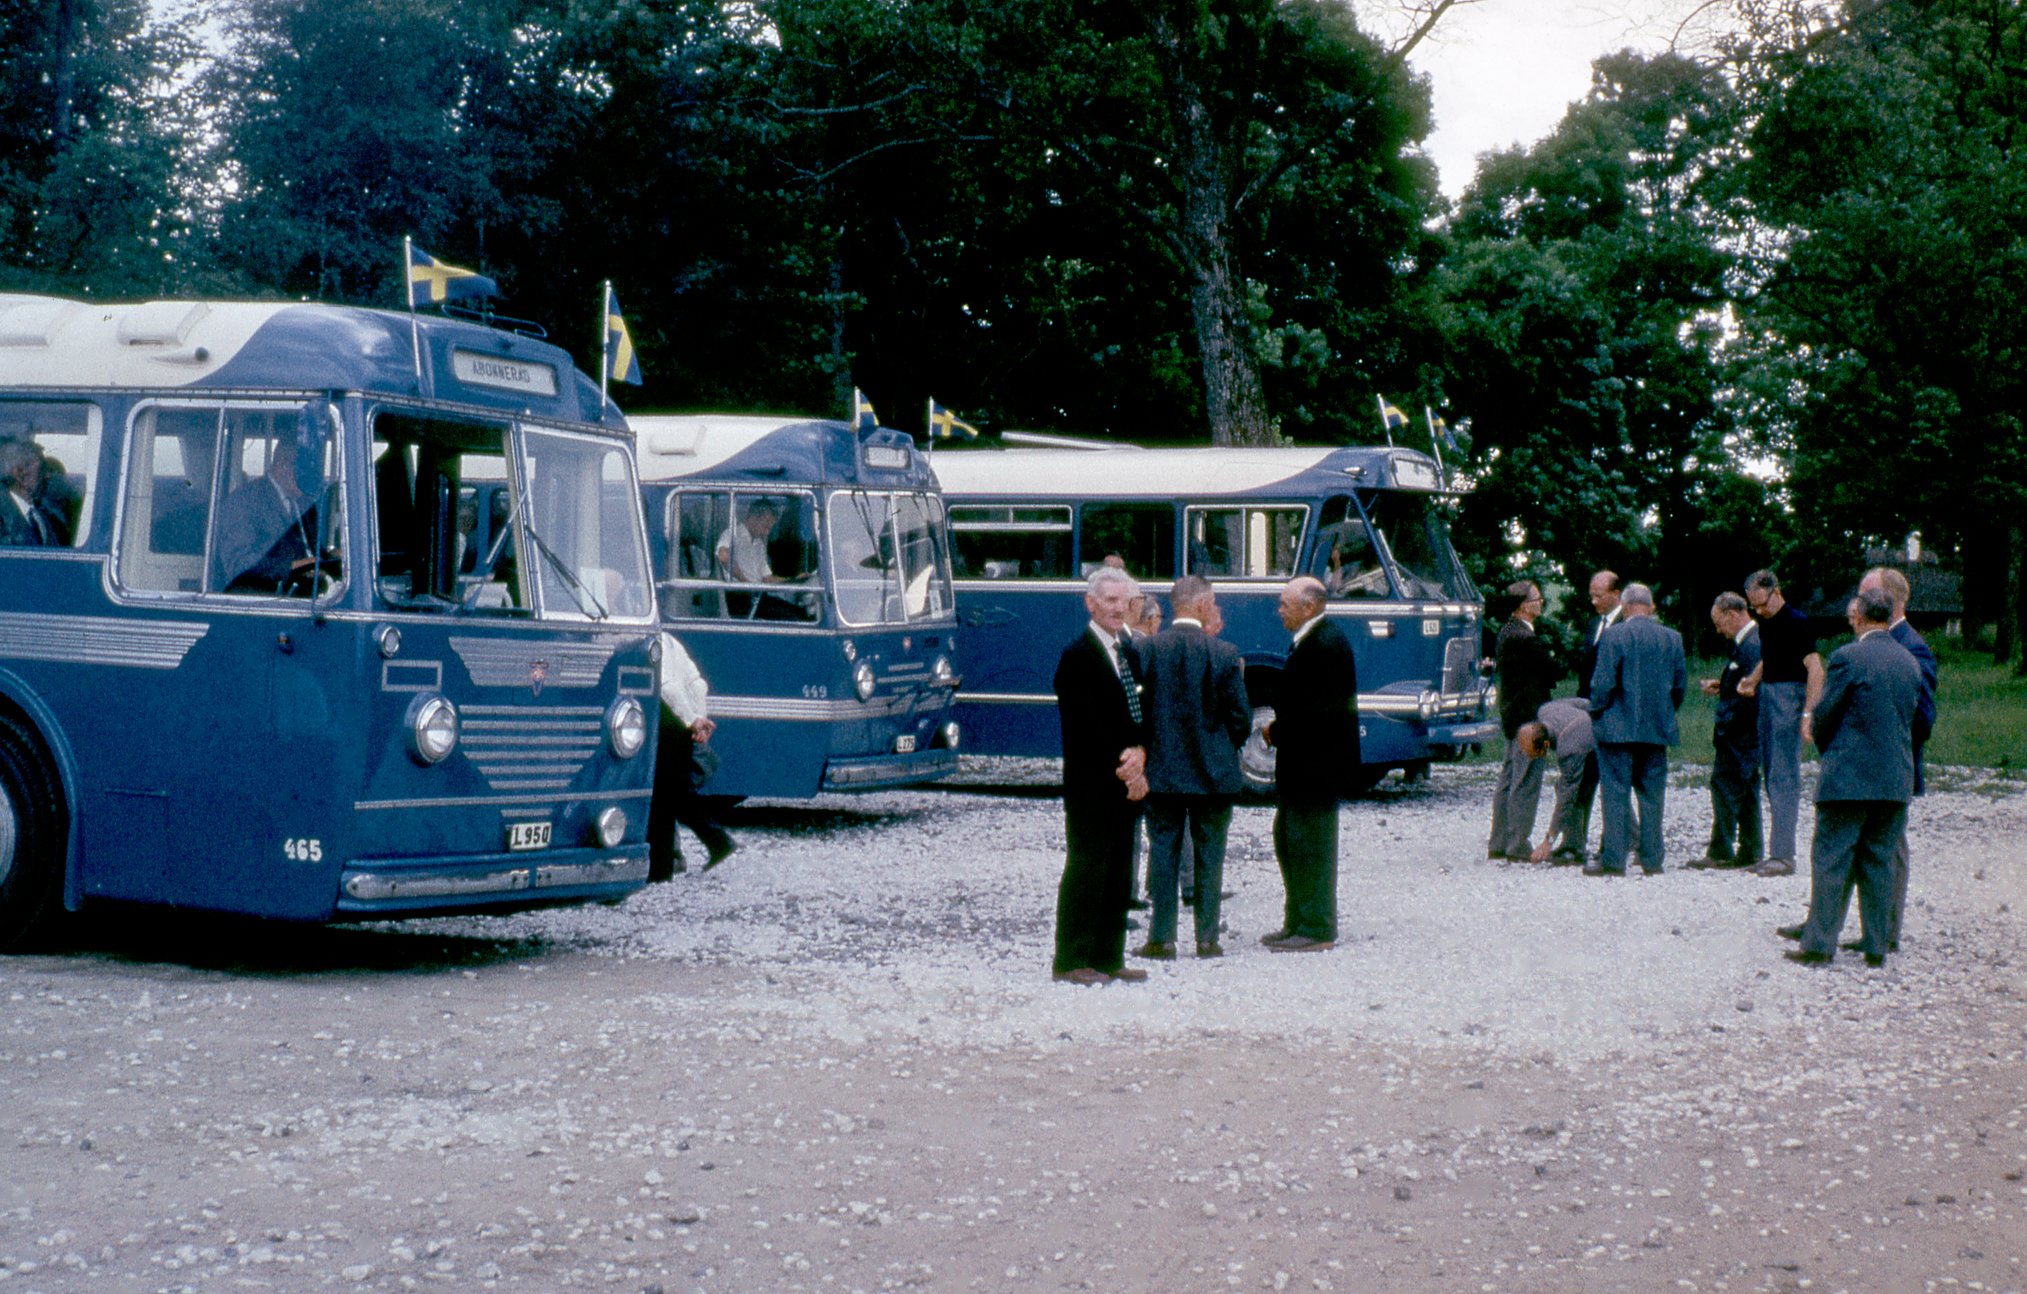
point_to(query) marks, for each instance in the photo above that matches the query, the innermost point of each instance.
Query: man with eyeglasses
(1527, 676)
(1788, 682)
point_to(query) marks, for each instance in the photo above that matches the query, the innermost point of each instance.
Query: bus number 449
(303, 849)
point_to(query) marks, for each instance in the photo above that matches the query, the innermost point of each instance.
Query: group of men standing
(1772, 694)
(1154, 724)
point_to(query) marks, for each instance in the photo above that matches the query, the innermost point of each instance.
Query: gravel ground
(838, 1063)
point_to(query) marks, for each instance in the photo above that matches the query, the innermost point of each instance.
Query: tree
(1888, 165)
(1582, 305)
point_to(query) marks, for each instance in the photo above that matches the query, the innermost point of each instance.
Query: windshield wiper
(586, 600)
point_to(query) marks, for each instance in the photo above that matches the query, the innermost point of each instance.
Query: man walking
(1895, 586)
(1863, 727)
(1735, 738)
(1104, 778)
(1638, 685)
(1786, 685)
(1604, 592)
(1197, 719)
(1315, 740)
(1527, 676)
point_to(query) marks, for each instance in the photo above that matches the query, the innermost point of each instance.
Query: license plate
(904, 745)
(527, 835)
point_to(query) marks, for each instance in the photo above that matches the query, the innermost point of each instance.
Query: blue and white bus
(805, 567)
(265, 652)
(1028, 525)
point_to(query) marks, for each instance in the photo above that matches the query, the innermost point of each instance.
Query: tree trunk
(2012, 628)
(1235, 398)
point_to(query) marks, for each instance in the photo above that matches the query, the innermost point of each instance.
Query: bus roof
(54, 343)
(774, 449)
(1128, 472)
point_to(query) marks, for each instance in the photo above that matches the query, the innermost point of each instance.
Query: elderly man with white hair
(1638, 685)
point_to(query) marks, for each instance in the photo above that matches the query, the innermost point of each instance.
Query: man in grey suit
(1863, 729)
(1897, 590)
(1640, 680)
(1562, 728)
(1197, 719)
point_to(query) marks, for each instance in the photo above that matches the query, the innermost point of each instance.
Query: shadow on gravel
(771, 816)
(246, 946)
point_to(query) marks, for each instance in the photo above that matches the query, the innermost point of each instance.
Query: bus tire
(34, 830)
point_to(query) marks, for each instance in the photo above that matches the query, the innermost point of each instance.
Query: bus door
(232, 526)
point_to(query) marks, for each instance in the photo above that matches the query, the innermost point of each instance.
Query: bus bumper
(888, 770)
(1463, 734)
(373, 888)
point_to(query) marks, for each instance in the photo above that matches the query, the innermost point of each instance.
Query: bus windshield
(453, 523)
(1412, 530)
(888, 560)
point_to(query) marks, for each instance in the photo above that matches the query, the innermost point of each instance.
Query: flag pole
(605, 346)
(1429, 417)
(1380, 403)
(408, 294)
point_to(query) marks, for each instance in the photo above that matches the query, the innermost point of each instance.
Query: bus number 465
(304, 850)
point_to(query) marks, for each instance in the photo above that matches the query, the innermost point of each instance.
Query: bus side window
(1141, 536)
(693, 523)
(1004, 542)
(170, 458)
(61, 439)
(1244, 543)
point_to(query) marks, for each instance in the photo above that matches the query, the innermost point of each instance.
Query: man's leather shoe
(1707, 863)
(1875, 960)
(1211, 949)
(1082, 975)
(1775, 867)
(718, 855)
(1155, 950)
(1595, 868)
(1274, 938)
(1130, 974)
(1804, 957)
(1302, 944)
(1566, 856)
(1788, 932)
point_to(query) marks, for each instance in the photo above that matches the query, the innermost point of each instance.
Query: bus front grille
(530, 748)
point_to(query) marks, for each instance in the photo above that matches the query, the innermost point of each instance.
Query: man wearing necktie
(23, 521)
(1104, 779)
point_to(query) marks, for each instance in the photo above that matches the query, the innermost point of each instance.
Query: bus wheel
(32, 836)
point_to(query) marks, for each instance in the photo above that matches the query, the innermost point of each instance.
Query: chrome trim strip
(510, 662)
(801, 710)
(371, 887)
(1008, 698)
(510, 802)
(98, 640)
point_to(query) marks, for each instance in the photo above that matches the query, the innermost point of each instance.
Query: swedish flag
(431, 282)
(1441, 430)
(945, 425)
(621, 364)
(1390, 417)
(863, 417)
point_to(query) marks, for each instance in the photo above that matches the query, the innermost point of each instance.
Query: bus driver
(742, 549)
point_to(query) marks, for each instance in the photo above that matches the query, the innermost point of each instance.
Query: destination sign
(503, 374)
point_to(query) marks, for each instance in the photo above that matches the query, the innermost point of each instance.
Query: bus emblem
(538, 674)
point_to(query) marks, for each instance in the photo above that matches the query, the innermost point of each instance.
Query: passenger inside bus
(1349, 567)
(267, 526)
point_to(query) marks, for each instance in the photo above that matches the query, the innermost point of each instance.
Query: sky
(1504, 71)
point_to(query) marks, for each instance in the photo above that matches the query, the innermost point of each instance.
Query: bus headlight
(626, 727)
(862, 680)
(611, 826)
(951, 735)
(942, 673)
(432, 728)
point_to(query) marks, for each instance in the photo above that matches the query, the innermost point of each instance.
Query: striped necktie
(1126, 679)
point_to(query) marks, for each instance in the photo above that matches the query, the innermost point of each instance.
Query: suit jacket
(1925, 708)
(1316, 719)
(1587, 661)
(1197, 712)
(1097, 726)
(1638, 684)
(17, 529)
(1569, 722)
(1527, 674)
(1864, 721)
(1738, 717)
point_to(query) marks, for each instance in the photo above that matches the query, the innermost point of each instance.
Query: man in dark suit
(1896, 588)
(1638, 685)
(1527, 676)
(1735, 737)
(1604, 592)
(1863, 727)
(1197, 719)
(23, 518)
(1104, 780)
(1787, 683)
(1315, 740)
